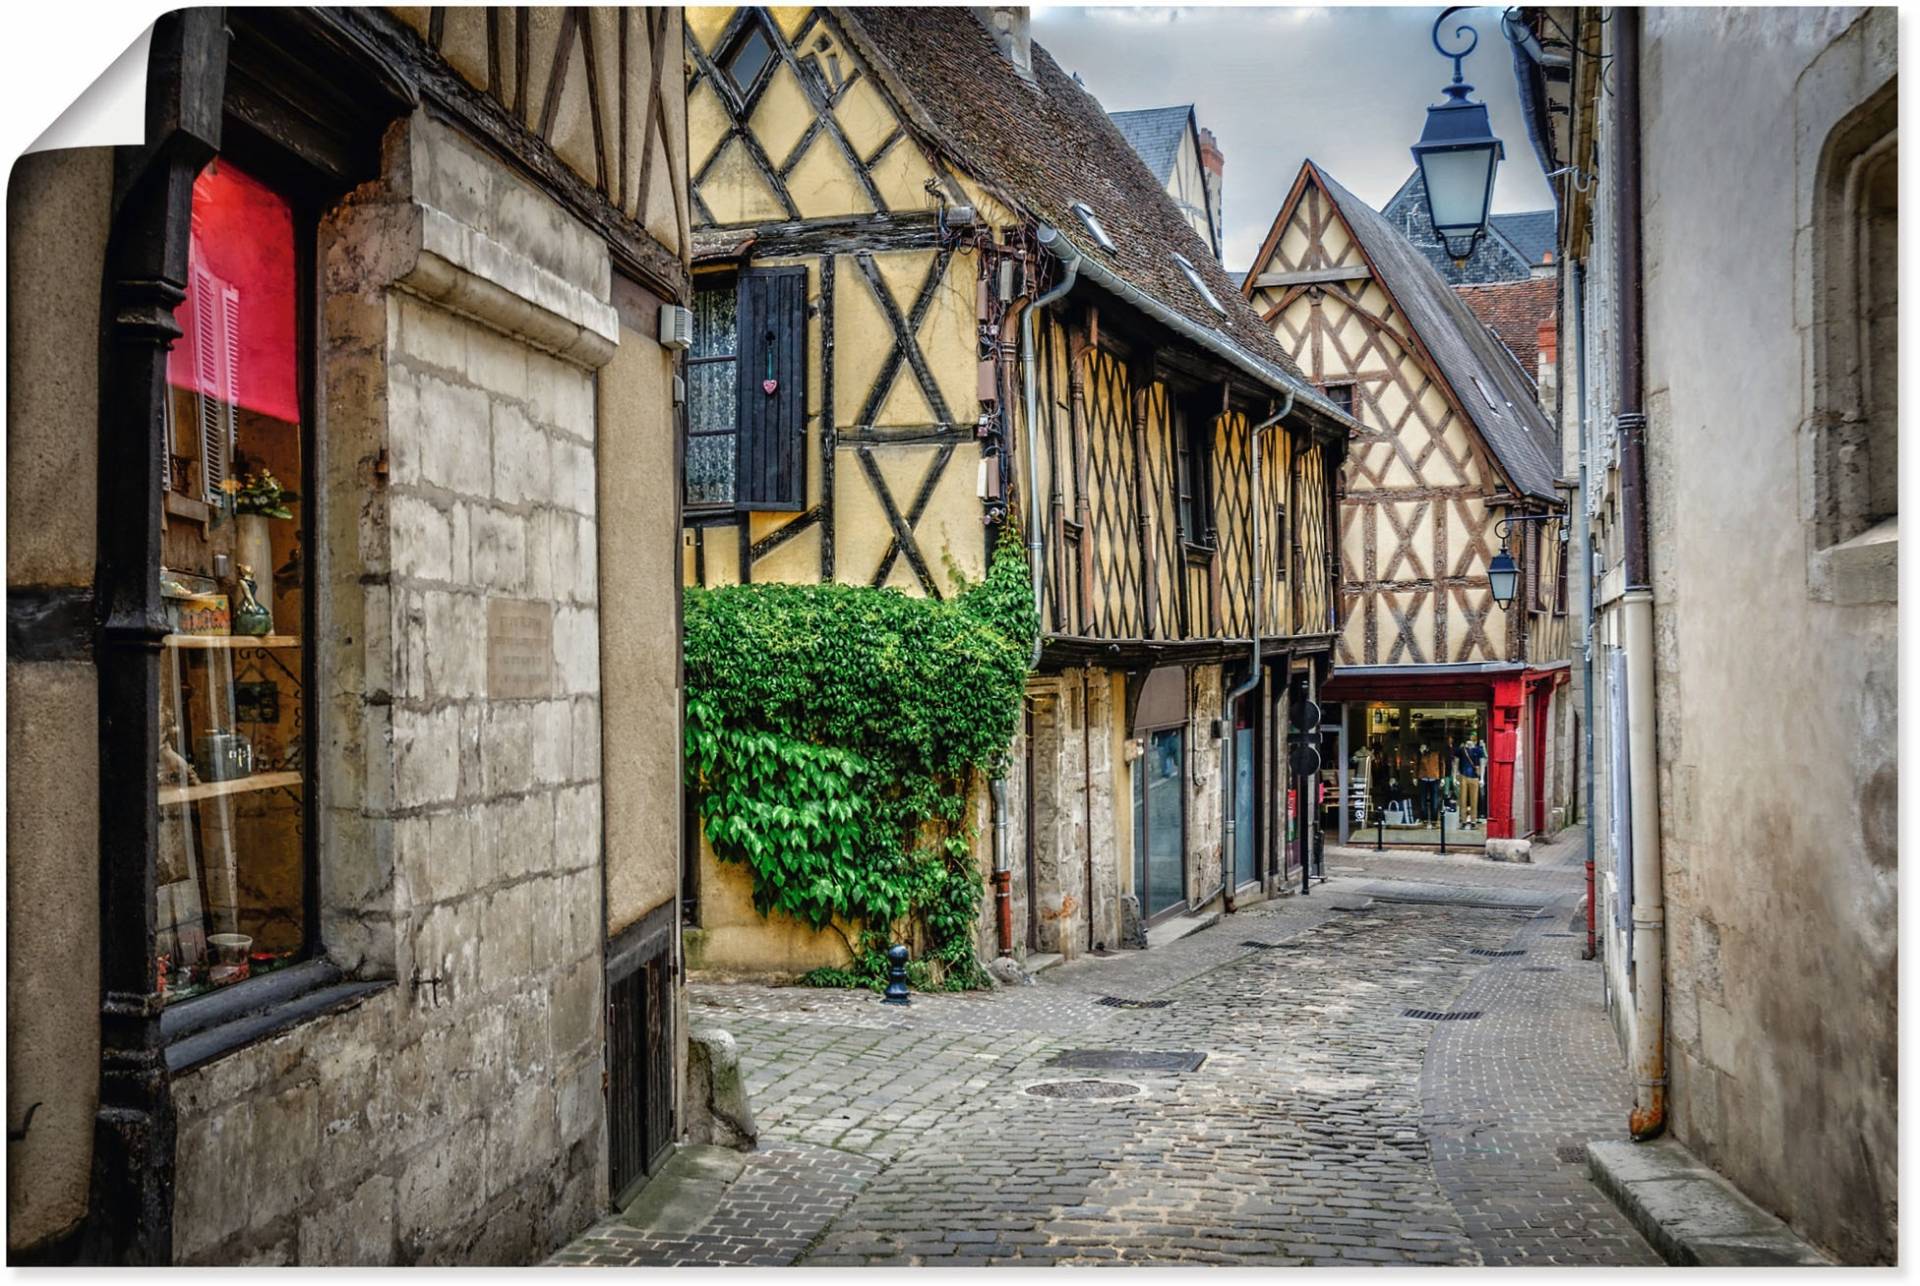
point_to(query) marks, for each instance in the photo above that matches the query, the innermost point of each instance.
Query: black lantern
(1503, 574)
(1458, 154)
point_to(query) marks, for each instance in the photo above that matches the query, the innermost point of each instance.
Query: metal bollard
(1379, 830)
(1443, 830)
(896, 978)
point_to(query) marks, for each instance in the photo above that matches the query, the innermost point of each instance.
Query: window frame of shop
(267, 90)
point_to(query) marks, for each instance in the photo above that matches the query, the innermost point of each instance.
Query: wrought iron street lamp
(1458, 154)
(1503, 574)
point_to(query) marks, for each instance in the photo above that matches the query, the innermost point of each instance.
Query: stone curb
(1689, 1213)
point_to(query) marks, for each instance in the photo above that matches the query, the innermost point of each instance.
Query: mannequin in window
(1468, 761)
(1429, 766)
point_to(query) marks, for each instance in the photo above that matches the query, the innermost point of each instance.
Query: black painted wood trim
(642, 940)
(50, 622)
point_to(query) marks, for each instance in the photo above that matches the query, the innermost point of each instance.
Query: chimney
(1011, 29)
(1214, 162)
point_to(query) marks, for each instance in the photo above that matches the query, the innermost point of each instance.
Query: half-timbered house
(1442, 700)
(343, 761)
(881, 197)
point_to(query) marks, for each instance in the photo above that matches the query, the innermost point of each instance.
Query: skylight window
(1092, 224)
(1193, 277)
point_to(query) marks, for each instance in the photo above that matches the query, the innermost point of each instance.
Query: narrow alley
(1323, 1124)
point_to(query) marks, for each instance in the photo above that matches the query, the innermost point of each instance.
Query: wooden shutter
(770, 464)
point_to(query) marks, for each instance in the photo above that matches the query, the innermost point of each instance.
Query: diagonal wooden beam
(903, 542)
(906, 341)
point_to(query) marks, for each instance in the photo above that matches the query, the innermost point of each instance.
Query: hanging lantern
(1504, 575)
(1458, 154)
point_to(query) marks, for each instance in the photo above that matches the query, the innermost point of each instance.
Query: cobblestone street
(1325, 1125)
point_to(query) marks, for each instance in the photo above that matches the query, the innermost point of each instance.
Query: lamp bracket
(1473, 42)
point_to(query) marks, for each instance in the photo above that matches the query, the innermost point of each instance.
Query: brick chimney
(1214, 162)
(1012, 29)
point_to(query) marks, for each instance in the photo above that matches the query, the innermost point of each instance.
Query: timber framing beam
(1313, 276)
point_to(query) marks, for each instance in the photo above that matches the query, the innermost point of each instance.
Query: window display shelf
(237, 786)
(195, 641)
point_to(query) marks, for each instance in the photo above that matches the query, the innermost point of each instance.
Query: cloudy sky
(1346, 86)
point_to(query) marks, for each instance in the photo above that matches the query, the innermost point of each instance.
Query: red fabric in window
(242, 239)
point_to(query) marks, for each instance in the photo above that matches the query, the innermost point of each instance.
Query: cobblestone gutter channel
(1322, 1127)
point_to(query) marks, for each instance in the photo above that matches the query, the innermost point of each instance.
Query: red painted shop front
(1505, 693)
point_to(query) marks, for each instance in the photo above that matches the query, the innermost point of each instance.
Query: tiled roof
(1045, 144)
(1513, 310)
(1486, 380)
(1531, 232)
(1155, 133)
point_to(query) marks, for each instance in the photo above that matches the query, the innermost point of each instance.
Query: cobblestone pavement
(1324, 1126)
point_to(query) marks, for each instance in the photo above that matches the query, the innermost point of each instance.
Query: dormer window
(1092, 225)
(1193, 278)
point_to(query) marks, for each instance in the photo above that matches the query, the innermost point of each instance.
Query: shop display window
(1416, 766)
(232, 882)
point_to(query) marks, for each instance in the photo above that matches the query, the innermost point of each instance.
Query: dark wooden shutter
(772, 446)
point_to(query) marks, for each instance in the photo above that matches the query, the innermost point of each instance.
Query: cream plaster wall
(57, 204)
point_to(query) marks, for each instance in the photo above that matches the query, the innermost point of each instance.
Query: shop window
(746, 392)
(234, 876)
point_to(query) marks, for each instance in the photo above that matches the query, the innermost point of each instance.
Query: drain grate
(1561, 935)
(1493, 955)
(1572, 1155)
(1266, 946)
(1129, 1060)
(1121, 1002)
(1441, 1015)
(1540, 969)
(1084, 1089)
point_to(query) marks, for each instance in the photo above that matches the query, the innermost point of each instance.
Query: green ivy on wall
(833, 732)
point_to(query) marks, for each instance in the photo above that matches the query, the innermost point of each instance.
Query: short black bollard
(1443, 830)
(897, 978)
(1380, 830)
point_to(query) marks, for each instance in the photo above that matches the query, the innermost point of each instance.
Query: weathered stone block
(576, 650)
(718, 1111)
(499, 545)
(576, 828)
(426, 768)
(422, 539)
(586, 739)
(442, 1187)
(1509, 850)
(521, 1137)
(520, 466)
(210, 1200)
(355, 1231)
(573, 478)
(453, 432)
(553, 742)
(506, 748)
(430, 335)
(285, 1124)
(574, 1015)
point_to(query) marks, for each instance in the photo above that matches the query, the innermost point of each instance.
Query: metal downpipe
(1648, 1051)
(1229, 826)
(1577, 309)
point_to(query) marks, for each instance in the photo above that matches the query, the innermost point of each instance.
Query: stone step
(1691, 1214)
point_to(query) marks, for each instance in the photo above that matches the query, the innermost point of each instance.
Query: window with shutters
(746, 393)
(1191, 432)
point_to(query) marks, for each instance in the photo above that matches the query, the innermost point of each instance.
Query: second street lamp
(1458, 154)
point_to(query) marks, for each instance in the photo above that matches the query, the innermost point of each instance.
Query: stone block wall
(457, 1115)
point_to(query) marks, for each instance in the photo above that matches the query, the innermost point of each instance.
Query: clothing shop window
(746, 392)
(233, 882)
(1416, 768)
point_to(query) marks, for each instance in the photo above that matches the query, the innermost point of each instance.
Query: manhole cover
(1084, 1089)
(1121, 1002)
(1493, 955)
(1441, 1015)
(1129, 1060)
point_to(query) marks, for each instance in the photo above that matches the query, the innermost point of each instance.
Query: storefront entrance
(1159, 822)
(1416, 769)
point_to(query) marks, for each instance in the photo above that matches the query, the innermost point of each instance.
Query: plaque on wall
(519, 648)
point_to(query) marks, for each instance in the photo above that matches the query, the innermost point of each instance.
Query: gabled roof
(1043, 145)
(1486, 382)
(1155, 133)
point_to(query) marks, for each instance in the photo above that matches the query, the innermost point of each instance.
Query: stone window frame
(1846, 117)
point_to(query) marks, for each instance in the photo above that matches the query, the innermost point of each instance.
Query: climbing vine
(833, 732)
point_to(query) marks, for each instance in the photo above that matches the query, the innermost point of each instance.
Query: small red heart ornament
(769, 386)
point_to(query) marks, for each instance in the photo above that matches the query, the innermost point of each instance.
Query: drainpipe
(1002, 861)
(1636, 616)
(1578, 308)
(1229, 777)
